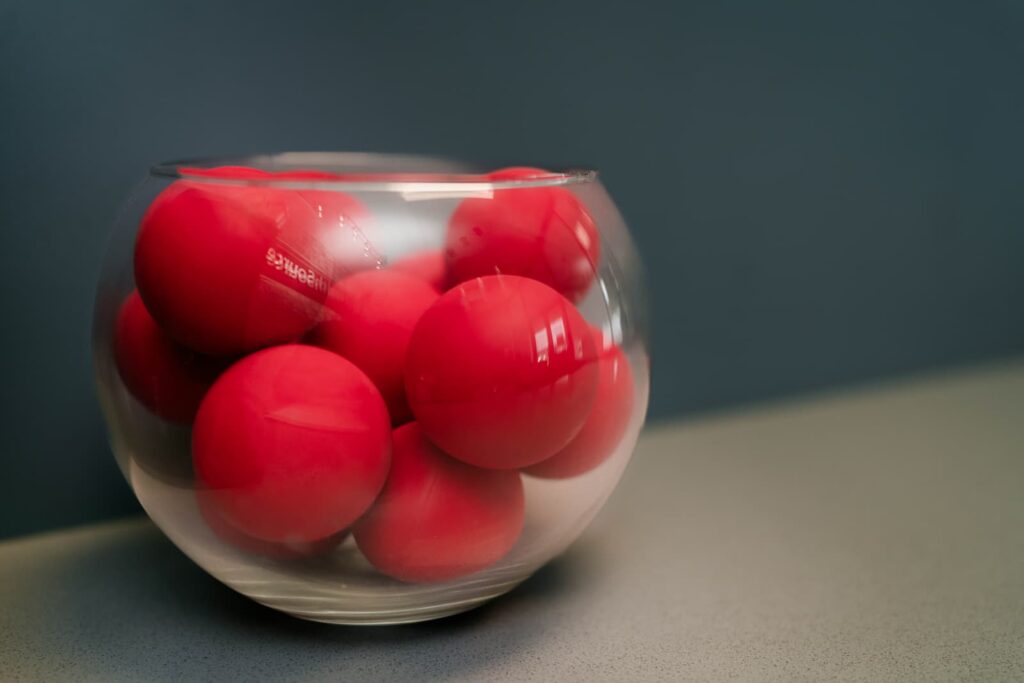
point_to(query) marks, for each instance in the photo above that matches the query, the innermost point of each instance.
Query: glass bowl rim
(201, 169)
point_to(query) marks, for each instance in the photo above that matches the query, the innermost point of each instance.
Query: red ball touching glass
(605, 425)
(227, 269)
(164, 376)
(438, 518)
(293, 444)
(544, 233)
(502, 371)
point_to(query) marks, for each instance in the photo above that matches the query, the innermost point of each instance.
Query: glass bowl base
(393, 617)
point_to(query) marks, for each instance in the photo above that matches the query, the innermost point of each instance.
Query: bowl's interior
(407, 202)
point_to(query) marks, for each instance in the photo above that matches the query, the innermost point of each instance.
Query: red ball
(429, 266)
(369, 320)
(165, 377)
(226, 269)
(501, 372)
(605, 426)
(438, 518)
(544, 233)
(254, 546)
(292, 443)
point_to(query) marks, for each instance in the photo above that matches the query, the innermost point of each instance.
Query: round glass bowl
(368, 388)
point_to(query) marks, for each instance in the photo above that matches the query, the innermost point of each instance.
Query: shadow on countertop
(123, 603)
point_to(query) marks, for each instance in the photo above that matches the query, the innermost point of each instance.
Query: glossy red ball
(544, 233)
(164, 376)
(369, 320)
(605, 426)
(226, 268)
(501, 372)
(438, 518)
(293, 443)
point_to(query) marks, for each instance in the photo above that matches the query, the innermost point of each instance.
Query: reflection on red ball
(429, 266)
(293, 443)
(254, 546)
(544, 233)
(226, 268)
(501, 372)
(165, 377)
(605, 426)
(340, 224)
(369, 320)
(438, 518)
(340, 220)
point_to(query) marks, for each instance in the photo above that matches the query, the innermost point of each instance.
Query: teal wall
(824, 192)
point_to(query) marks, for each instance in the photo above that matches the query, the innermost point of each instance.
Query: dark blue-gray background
(823, 193)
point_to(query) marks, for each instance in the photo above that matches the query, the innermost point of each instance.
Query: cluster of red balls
(399, 402)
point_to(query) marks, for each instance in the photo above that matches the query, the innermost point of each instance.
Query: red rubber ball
(438, 518)
(605, 426)
(226, 269)
(293, 443)
(164, 376)
(369, 320)
(544, 233)
(501, 372)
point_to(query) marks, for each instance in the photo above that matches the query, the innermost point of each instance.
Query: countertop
(871, 534)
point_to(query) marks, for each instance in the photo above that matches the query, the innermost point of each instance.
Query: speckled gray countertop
(869, 535)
